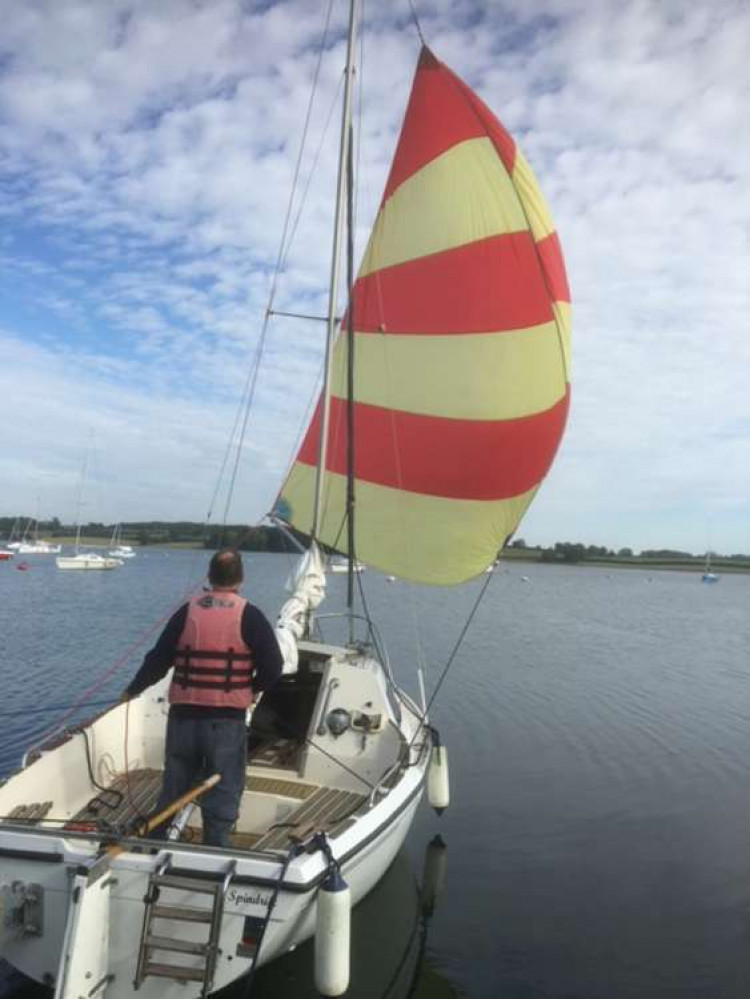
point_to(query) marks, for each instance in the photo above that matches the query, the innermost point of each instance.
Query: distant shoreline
(510, 555)
(695, 564)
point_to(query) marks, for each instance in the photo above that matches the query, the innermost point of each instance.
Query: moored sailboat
(339, 753)
(116, 547)
(708, 575)
(85, 560)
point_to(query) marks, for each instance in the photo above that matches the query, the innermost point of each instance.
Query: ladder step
(181, 913)
(185, 884)
(182, 946)
(175, 971)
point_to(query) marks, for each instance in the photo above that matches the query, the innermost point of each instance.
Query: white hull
(87, 562)
(101, 932)
(38, 548)
(337, 567)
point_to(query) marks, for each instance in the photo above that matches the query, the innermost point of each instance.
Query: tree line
(572, 552)
(259, 538)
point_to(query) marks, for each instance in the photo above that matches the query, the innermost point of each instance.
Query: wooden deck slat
(284, 788)
(327, 807)
(30, 814)
(140, 790)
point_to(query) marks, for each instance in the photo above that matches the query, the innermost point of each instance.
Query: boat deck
(130, 797)
(327, 809)
(134, 797)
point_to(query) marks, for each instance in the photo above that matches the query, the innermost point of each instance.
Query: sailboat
(462, 298)
(87, 560)
(116, 547)
(338, 564)
(36, 545)
(709, 576)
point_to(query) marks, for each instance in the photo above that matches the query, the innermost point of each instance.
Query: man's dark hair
(225, 568)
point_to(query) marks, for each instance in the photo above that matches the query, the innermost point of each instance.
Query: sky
(147, 153)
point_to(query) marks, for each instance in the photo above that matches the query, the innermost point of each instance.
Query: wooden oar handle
(166, 813)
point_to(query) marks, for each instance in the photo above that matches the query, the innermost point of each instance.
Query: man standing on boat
(223, 651)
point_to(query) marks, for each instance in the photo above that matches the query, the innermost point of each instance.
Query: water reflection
(390, 929)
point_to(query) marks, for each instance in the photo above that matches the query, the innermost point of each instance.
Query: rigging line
(313, 168)
(51, 707)
(459, 641)
(301, 427)
(416, 22)
(285, 243)
(246, 403)
(334, 759)
(227, 450)
(117, 665)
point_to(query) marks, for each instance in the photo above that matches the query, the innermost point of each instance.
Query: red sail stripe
(441, 112)
(488, 286)
(550, 255)
(504, 144)
(455, 459)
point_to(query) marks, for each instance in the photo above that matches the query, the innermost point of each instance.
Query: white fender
(332, 936)
(438, 788)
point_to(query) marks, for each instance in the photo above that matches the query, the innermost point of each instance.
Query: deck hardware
(332, 685)
(338, 721)
(160, 881)
(100, 984)
(22, 909)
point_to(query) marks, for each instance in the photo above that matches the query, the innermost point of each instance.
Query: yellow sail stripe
(478, 376)
(532, 198)
(462, 196)
(425, 539)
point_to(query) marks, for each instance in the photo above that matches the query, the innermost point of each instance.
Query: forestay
(461, 317)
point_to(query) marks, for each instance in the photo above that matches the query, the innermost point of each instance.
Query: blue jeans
(197, 748)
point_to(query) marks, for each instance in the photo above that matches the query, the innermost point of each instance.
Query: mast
(79, 500)
(350, 384)
(338, 226)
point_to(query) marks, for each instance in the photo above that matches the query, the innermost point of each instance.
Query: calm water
(598, 841)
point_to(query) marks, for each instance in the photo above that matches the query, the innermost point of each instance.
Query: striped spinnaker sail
(461, 317)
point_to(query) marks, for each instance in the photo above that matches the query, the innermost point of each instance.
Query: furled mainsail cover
(461, 313)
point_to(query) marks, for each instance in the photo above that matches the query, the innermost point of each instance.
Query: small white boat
(117, 548)
(6, 554)
(87, 560)
(337, 565)
(122, 551)
(32, 544)
(38, 548)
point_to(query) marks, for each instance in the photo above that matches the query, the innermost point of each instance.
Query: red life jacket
(213, 665)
